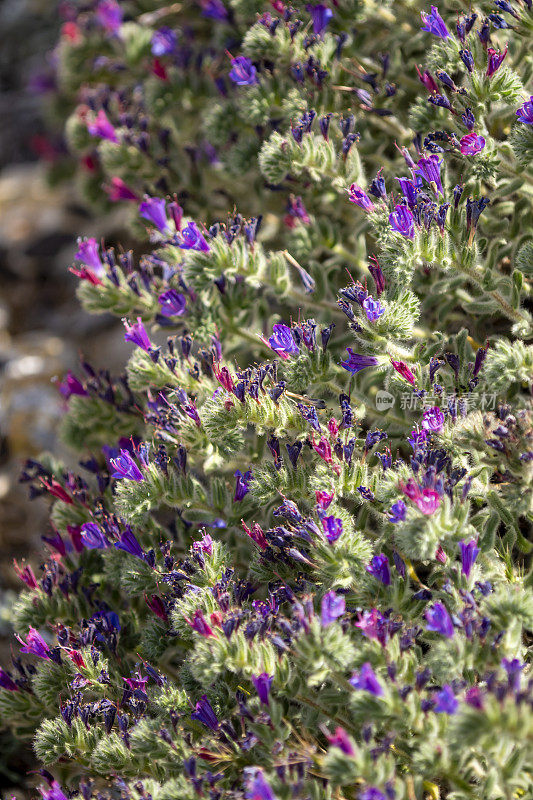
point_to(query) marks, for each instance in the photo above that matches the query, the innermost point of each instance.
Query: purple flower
(282, 341)
(71, 385)
(93, 537)
(403, 370)
(471, 144)
(366, 680)
(34, 644)
(126, 467)
(204, 713)
(7, 682)
(109, 15)
(525, 112)
(373, 625)
(154, 210)
(433, 23)
(360, 198)
(429, 169)
(332, 607)
(371, 793)
(172, 303)
(88, 254)
(439, 620)
(469, 553)
(332, 527)
(242, 485)
(373, 308)
(243, 72)
(54, 792)
(321, 16)
(379, 568)
(433, 420)
(262, 684)
(100, 126)
(402, 221)
(513, 668)
(214, 9)
(446, 701)
(128, 542)
(357, 362)
(341, 740)
(495, 59)
(409, 190)
(193, 239)
(164, 42)
(257, 788)
(200, 624)
(397, 512)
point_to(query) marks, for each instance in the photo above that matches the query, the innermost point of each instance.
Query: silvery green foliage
(288, 569)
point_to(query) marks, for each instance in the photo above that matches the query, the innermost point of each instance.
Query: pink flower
(472, 144)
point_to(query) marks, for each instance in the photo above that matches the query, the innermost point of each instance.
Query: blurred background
(42, 327)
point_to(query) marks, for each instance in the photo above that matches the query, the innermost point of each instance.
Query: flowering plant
(284, 571)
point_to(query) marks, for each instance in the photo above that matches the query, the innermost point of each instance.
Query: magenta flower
(71, 385)
(495, 60)
(469, 553)
(109, 15)
(243, 72)
(100, 126)
(332, 607)
(117, 190)
(403, 370)
(35, 645)
(200, 624)
(360, 198)
(257, 787)
(373, 625)
(137, 334)
(433, 23)
(357, 362)
(402, 221)
(433, 420)
(88, 253)
(54, 792)
(525, 112)
(324, 499)
(439, 621)
(172, 303)
(366, 680)
(472, 144)
(193, 239)
(341, 740)
(154, 210)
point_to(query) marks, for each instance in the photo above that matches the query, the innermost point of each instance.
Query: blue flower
(93, 537)
(204, 713)
(433, 23)
(332, 607)
(128, 542)
(126, 467)
(164, 42)
(525, 112)
(366, 680)
(379, 568)
(439, 620)
(154, 210)
(357, 362)
(243, 72)
(321, 16)
(446, 701)
(469, 553)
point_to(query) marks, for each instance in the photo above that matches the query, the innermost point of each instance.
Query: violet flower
(373, 309)
(495, 60)
(366, 680)
(469, 553)
(88, 253)
(71, 385)
(154, 210)
(126, 467)
(321, 16)
(513, 668)
(360, 198)
(332, 528)
(433, 420)
(379, 568)
(262, 684)
(243, 72)
(204, 713)
(471, 144)
(446, 701)
(439, 621)
(35, 645)
(128, 541)
(341, 740)
(372, 793)
(525, 112)
(172, 303)
(164, 42)
(200, 624)
(258, 789)
(402, 221)
(429, 169)
(397, 512)
(282, 341)
(137, 334)
(54, 792)
(7, 682)
(332, 607)
(357, 362)
(433, 23)
(192, 239)
(109, 15)
(101, 126)
(242, 485)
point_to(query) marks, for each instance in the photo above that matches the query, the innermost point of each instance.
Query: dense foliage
(296, 560)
